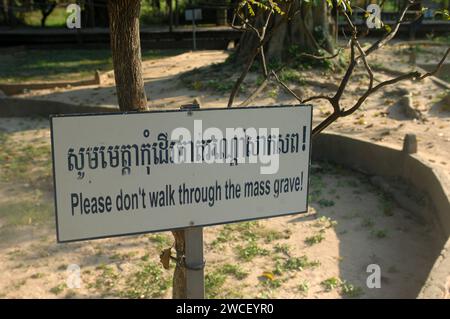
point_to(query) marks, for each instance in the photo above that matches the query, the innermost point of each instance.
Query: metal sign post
(193, 15)
(194, 263)
(193, 34)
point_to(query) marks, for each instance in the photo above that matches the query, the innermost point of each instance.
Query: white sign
(193, 14)
(130, 173)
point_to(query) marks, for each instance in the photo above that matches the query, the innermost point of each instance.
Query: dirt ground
(323, 254)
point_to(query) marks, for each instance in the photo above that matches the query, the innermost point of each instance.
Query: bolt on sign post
(193, 15)
(132, 173)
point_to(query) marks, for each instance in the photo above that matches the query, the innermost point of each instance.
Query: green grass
(386, 204)
(303, 287)
(17, 160)
(106, 280)
(246, 231)
(291, 76)
(161, 240)
(331, 283)
(315, 239)
(234, 270)
(56, 19)
(28, 165)
(147, 282)
(37, 275)
(299, 263)
(26, 212)
(325, 202)
(56, 290)
(350, 290)
(250, 251)
(213, 284)
(282, 248)
(61, 65)
(271, 283)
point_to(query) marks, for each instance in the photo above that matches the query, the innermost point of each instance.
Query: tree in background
(259, 18)
(303, 24)
(46, 7)
(126, 54)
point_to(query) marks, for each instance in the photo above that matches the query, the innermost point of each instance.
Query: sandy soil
(350, 224)
(380, 119)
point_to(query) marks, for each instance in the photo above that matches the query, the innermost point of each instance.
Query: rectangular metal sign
(130, 173)
(193, 14)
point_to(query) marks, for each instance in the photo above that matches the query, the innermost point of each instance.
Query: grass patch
(300, 263)
(271, 283)
(292, 76)
(250, 251)
(247, 231)
(213, 284)
(27, 213)
(325, 222)
(58, 289)
(37, 275)
(62, 65)
(350, 290)
(331, 283)
(147, 282)
(315, 239)
(233, 270)
(161, 240)
(25, 163)
(106, 280)
(282, 248)
(325, 203)
(303, 287)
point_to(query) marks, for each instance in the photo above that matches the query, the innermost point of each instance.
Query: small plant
(233, 270)
(299, 263)
(213, 284)
(106, 280)
(325, 202)
(282, 248)
(325, 222)
(58, 289)
(160, 240)
(272, 284)
(331, 283)
(272, 235)
(147, 282)
(250, 251)
(315, 239)
(37, 275)
(379, 233)
(303, 287)
(350, 290)
(273, 93)
(62, 267)
(387, 204)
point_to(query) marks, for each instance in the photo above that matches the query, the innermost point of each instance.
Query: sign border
(192, 111)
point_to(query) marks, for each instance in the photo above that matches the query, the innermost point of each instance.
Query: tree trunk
(12, 20)
(308, 31)
(126, 54)
(179, 290)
